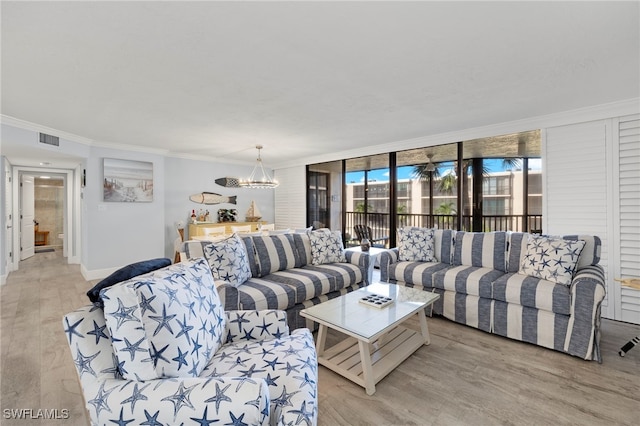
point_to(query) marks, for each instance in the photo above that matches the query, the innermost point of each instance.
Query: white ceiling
(213, 79)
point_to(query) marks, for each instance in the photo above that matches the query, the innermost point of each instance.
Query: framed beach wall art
(127, 181)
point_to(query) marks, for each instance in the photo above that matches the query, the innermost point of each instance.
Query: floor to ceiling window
(501, 171)
(487, 184)
(368, 198)
(431, 183)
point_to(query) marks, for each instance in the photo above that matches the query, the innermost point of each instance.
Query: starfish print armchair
(162, 351)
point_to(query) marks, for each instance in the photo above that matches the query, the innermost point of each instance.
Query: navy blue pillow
(126, 273)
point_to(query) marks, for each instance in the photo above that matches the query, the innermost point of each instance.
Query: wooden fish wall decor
(228, 182)
(212, 198)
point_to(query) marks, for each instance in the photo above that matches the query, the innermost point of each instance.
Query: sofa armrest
(387, 257)
(178, 401)
(357, 258)
(588, 286)
(588, 289)
(256, 325)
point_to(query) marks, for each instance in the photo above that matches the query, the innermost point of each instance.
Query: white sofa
(286, 273)
(480, 279)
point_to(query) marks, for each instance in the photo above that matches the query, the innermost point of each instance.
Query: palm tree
(360, 208)
(447, 182)
(511, 163)
(446, 209)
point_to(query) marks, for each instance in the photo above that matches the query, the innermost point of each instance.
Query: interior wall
(290, 198)
(185, 177)
(6, 223)
(119, 233)
(576, 188)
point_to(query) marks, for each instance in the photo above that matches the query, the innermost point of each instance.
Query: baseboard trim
(96, 274)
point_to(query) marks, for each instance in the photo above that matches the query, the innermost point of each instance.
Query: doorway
(54, 224)
(49, 208)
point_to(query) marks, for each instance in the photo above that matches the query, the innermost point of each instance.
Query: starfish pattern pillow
(228, 260)
(326, 247)
(551, 259)
(168, 323)
(416, 244)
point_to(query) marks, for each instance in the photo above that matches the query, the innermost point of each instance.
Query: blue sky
(382, 175)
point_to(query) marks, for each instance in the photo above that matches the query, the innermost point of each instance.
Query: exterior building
(505, 200)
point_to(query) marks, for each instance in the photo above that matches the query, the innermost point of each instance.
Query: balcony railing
(379, 223)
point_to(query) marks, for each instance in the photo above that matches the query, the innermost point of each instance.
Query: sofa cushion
(517, 247)
(416, 244)
(306, 283)
(260, 293)
(167, 323)
(590, 254)
(551, 259)
(464, 279)
(443, 240)
(344, 274)
(228, 260)
(533, 293)
(481, 249)
(326, 247)
(276, 253)
(193, 249)
(288, 364)
(415, 273)
(303, 244)
(126, 273)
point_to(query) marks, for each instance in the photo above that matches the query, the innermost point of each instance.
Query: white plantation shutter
(629, 212)
(290, 198)
(576, 192)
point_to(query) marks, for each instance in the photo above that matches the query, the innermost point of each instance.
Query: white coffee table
(377, 342)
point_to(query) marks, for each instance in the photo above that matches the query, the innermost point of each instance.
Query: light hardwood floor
(465, 377)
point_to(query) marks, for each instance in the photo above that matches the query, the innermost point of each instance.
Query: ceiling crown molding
(27, 125)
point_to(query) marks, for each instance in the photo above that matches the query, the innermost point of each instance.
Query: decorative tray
(376, 300)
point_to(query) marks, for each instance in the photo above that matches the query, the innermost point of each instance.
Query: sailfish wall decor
(228, 182)
(212, 198)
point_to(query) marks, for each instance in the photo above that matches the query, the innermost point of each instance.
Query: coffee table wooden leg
(424, 328)
(367, 370)
(322, 339)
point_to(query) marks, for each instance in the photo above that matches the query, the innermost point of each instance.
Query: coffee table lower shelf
(367, 363)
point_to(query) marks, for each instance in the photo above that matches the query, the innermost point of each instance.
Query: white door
(8, 217)
(27, 216)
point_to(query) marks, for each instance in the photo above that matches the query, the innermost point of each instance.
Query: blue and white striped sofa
(283, 276)
(477, 278)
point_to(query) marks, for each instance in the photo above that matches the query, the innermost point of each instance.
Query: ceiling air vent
(49, 140)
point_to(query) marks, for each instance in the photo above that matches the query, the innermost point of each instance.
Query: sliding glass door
(368, 199)
(324, 192)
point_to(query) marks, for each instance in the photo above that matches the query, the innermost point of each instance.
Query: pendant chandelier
(259, 178)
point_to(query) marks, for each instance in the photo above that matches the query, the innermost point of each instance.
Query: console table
(197, 229)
